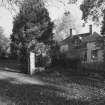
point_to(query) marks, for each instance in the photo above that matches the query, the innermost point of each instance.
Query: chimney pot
(90, 29)
(70, 32)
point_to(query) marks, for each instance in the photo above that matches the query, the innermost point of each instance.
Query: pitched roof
(70, 38)
(86, 37)
(92, 38)
(83, 35)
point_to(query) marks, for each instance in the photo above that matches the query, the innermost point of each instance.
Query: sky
(6, 21)
(56, 10)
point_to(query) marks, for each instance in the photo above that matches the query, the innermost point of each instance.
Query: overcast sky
(6, 20)
(55, 8)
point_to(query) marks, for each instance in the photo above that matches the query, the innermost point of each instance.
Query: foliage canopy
(31, 26)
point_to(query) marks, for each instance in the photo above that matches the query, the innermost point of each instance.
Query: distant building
(82, 46)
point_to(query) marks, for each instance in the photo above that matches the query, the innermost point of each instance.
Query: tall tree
(96, 10)
(32, 25)
(92, 8)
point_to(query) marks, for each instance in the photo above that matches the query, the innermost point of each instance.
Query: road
(21, 89)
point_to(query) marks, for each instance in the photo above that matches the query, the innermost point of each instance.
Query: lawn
(36, 95)
(55, 88)
(20, 89)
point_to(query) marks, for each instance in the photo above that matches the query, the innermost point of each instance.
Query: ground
(53, 89)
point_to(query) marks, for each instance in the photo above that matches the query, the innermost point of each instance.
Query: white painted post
(32, 62)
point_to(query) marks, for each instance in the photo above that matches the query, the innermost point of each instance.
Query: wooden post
(31, 63)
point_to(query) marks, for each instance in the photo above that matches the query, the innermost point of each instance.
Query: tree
(92, 8)
(103, 24)
(4, 43)
(68, 22)
(96, 10)
(63, 28)
(31, 26)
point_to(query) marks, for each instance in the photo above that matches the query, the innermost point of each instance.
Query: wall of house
(100, 56)
(90, 47)
(69, 51)
(64, 48)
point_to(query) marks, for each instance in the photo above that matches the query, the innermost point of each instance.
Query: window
(94, 54)
(64, 48)
(77, 43)
(84, 57)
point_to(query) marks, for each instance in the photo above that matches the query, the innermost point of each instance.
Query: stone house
(82, 46)
(92, 53)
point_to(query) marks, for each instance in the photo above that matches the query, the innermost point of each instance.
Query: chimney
(70, 32)
(90, 29)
